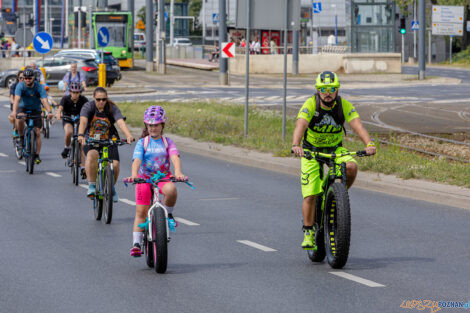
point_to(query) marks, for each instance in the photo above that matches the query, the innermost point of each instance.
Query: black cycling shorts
(37, 122)
(113, 152)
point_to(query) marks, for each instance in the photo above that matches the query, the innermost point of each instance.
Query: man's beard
(328, 103)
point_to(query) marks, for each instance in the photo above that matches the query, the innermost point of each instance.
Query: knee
(309, 199)
(92, 156)
(170, 190)
(351, 168)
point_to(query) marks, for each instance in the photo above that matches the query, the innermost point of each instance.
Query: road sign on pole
(103, 36)
(415, 25)
(215, 18)
(316, 7)
(228, 49)
(42, 42)
(447, 20)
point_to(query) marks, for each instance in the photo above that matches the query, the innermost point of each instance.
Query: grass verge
(224, 124)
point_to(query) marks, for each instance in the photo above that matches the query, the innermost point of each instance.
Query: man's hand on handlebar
(130, 139)
(297, 150)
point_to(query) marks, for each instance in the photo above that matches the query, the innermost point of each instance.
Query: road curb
(436, 193)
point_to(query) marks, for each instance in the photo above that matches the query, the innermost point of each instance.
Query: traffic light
(402, 25)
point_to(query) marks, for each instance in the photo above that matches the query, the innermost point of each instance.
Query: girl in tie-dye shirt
(153, 153)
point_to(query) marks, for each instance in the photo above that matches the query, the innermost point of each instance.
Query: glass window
(117, 33)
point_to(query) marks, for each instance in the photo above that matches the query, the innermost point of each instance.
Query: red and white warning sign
(228, 49)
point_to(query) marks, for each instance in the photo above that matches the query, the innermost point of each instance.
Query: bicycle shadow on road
(375, 263)
(187, 268)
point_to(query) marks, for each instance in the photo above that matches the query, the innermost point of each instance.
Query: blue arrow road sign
(414, 25)
(42, 42)
(103, 36)
(316, 7)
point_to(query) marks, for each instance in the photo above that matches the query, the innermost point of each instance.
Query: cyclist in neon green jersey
(319, 127)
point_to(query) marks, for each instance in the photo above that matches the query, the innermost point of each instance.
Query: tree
(405, 6)
(141, 14)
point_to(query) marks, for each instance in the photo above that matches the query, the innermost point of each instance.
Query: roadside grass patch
(224, 123)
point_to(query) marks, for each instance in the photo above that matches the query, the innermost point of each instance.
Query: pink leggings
(143, 192)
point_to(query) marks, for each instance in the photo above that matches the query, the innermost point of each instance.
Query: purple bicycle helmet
(75, 87)
(154, 115)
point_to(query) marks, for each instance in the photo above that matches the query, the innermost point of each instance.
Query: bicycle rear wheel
(337, 223)
(18, 149)
(76, 162)
(160, 241)
(47, 128)
(319, 254)
(32, 151)
(108, 195)
(148, 250)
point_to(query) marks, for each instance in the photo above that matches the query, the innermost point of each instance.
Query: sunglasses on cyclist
(28, 78)
(327, 89)
(100, 99)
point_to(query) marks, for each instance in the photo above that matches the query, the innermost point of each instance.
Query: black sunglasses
(28, 78)
(101, 99)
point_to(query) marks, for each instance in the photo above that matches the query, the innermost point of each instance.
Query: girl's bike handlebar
(157, 179)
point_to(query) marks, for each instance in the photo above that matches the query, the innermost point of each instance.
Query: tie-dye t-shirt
(156, 158)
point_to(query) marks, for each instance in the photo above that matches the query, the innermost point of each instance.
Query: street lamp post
(336, 24)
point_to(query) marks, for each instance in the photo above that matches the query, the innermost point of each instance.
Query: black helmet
(28, 72)
(75, 87)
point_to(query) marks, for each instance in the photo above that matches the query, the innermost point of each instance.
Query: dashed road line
(84, 186)
(130, 202)
(6, 106)
(357, 279)
(53, 174)
(256, 245)
(22, 163)
(218, 199)
(3, 155)
(185, 221)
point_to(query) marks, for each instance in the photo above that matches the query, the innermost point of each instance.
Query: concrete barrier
(350, 63)
(14, 63)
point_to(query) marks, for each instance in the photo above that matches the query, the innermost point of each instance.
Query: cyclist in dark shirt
(70, 105)
(19, 79)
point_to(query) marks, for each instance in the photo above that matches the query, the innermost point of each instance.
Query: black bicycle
(332, 211)
(75, 156)
(157, 225)
(30, 141)
(103, 198)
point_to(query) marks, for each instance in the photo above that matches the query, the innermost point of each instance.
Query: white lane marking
(130, 202)
(84, 186)
(256, 245)
(357, 279)
(185, 221)
(22, 163)
(3, 155)
(53, 174)
(6, 105)
(218, 199)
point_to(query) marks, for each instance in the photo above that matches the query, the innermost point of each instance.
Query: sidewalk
(447, 195)
(200, 64)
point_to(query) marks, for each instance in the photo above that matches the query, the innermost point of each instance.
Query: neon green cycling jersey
(325, 133)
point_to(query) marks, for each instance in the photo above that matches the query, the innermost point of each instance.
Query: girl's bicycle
(332, 211)
(75, 156)
(156, 227)
(29, 145)
(103, 198)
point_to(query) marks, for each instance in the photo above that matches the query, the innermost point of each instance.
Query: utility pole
(414, 31)
(161, 43)
(295, 52)
(130, 7)
(172, 22)
(422, 39)
(223, 76)
(149, 35)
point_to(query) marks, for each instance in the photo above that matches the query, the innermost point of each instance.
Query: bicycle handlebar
(28, 116)
(106, 142)
(68, 118)
(311, 155)
(157, 179)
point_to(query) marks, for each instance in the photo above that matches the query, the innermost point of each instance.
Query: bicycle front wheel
(337, 223)
(76, 162)
(47, 128)
(160, 240)
(32, 151)
(108, 194)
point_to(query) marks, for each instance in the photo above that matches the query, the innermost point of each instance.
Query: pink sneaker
(136, 251)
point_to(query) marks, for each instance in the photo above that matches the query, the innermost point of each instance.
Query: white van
(139, 41)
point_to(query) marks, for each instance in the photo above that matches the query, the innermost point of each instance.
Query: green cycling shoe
(309, 240)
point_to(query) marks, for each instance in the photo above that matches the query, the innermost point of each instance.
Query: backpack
(69, 80)
(147, 141)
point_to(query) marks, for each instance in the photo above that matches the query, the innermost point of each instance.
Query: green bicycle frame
(102, 163)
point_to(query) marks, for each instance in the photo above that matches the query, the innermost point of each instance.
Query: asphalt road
(425, 108)
(56, 258)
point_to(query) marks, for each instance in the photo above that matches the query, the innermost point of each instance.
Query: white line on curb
(185, 221)
(22, 163)
(217, 199)
(3, 155)
(130, 202)
(256, 245)
(357, 279)
(53, 174)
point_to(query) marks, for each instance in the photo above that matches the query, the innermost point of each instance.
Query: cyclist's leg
(170, 193)
(38, 140)
(351, 165)
(113, 154)
(68, 130)
(91, 164)
(311, 186)
(116, 169)
(143, 197)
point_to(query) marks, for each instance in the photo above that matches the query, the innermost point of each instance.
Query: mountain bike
(46, 125)
(156, 236)
(103, 198)
(332, 211)
(29, 144)
(17, 147)
(75, 156)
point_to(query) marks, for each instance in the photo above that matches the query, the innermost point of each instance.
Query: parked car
(139, 41)
(113, 71)
(182, 42)
(8, 78)
(57, 67)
